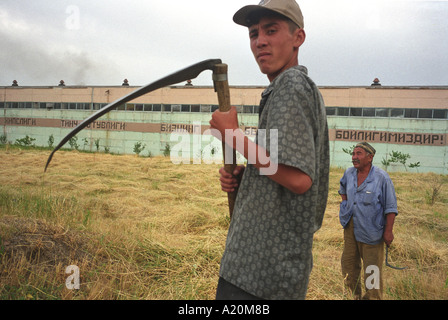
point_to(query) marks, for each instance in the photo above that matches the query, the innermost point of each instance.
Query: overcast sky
(102, 42)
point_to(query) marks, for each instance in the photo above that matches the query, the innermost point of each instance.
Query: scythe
(389, 265)
(221, 87)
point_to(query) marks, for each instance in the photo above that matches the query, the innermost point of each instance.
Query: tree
(399, 157)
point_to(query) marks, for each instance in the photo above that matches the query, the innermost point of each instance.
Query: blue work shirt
(368, 204)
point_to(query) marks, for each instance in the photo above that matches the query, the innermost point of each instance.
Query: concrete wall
(425, 140)
(386, 97)
(119, 131)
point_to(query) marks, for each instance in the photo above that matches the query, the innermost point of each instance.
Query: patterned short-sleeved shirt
(269, 243)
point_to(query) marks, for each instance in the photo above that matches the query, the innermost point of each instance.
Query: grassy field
(144, 228)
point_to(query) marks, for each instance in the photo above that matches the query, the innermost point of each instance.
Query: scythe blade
(188, 73)
(389, 265)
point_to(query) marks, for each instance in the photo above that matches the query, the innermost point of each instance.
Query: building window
(248, 109)
(83, 106)
(425, 113)
(410, 113)
(344, 112)
(206, 108)
(440, 114)
(397, 113)
(368, 112)
(331, 111)
(356, 112)
(243, 109)
(380, 112)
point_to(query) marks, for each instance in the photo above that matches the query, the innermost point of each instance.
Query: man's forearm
(290, 177)
(390, 219)
(388, 234)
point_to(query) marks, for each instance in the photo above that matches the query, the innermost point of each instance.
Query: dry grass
(143, 228)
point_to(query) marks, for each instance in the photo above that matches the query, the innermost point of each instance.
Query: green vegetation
(399, 157)
(25, 142)
(139, 147)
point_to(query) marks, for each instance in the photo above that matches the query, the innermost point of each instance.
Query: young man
(367, 214)
(268, 248)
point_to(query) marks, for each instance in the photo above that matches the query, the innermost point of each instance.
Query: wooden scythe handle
(221, 84)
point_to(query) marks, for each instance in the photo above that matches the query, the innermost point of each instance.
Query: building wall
(387, 97)
(425, 140)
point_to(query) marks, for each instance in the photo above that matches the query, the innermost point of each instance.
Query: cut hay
(145, 228)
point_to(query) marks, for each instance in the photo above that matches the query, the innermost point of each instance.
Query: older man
(269, 243)
(367, 213)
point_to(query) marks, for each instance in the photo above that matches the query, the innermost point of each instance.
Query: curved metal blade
(188, 73)
(389, 265)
